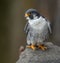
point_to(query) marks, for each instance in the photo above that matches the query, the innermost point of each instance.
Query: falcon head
(32, 14)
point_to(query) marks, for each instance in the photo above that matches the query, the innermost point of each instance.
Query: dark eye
(31, 16)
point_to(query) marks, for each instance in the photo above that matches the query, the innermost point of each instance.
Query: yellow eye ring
(26, 15)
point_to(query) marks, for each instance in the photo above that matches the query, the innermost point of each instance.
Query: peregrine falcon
(37, 29)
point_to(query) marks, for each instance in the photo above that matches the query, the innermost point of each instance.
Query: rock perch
(51, 55)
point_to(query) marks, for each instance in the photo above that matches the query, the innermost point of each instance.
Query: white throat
(37, 23)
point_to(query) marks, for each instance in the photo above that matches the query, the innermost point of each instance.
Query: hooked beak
(26, 15)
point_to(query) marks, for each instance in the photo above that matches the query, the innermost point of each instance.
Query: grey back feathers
(30, 10)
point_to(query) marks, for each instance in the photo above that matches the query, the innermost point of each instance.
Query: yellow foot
(42, 47)
(32, 47)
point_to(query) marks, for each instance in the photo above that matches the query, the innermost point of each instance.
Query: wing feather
(49, 27)
(26, 28)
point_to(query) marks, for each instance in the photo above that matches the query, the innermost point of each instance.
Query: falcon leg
(42, 47)
(32, 46)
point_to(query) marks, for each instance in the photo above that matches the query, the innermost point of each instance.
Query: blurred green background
(12, 23)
